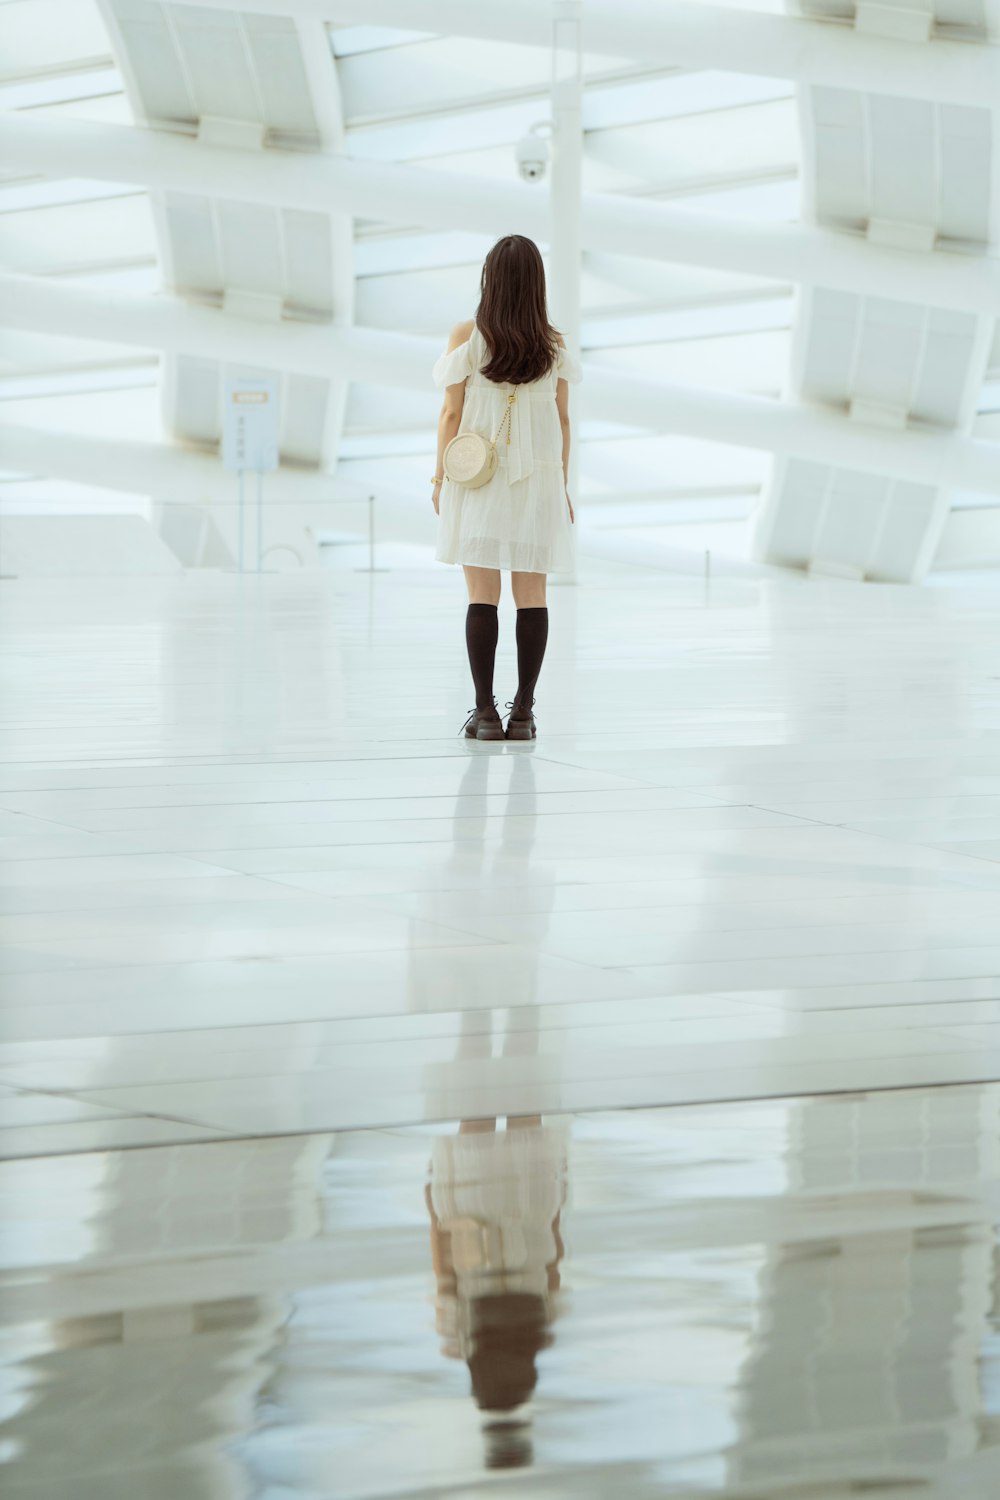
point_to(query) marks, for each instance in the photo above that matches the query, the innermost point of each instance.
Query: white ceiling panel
(71, 237)
(197, 404)
(753, 362)
(910, 511)
(194, 260)
(251, 243)
(722, 144)
(43, 36)
(436, 75)
(106, 414)
(281, 80)
(309, 270)
(966, 163)
(217, 62)
(888, 352)
(155, 61)
(939, 394)
(902, 139)
(31, 354)
(303, 413)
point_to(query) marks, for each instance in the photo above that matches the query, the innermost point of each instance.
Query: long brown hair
(512, 314)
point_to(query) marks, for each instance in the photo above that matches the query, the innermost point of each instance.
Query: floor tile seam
(787, 824)
(116, 1112)
(285, 877)
(823, 927)
(980, 861)
(939, 1033)
(108, 1114)
(482, 940)
(549, 1008)
(45, 1092)
(477, 940)
(492, 817)
(636, 969)
(224, 907)
(568, 765)
(57, 825)
(370, 901)
(411, 796)
(208, 1135)
(895, 841)
(227, 1134)
(553, 951)
(552, 1009)
(559, 1071)
(513, 1011)
(221, 760)
(708, 792)
(887, 797)
(286, 1020)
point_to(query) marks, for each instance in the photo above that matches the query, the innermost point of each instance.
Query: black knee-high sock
(481, 631)
(532, 635)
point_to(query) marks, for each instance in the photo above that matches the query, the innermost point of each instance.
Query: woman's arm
(451, 412)
(562, 406)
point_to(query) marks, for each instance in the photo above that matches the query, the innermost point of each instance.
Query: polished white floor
(254, 881)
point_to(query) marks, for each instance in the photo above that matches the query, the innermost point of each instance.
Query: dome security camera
(532, 156)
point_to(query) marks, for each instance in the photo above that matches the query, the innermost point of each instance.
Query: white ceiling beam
(171, 474)
(61, 147)
(691, 35)
(404, 360)
(164, 471)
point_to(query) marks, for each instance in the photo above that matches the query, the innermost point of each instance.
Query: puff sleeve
(454, 368)
(568, 367)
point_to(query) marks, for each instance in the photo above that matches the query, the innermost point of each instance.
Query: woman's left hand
(436, 499)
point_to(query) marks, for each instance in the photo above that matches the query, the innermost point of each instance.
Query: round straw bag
(471, 459)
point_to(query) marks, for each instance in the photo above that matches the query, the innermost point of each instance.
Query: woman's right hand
(572, 512)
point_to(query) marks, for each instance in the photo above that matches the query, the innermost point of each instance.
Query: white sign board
(250, 423)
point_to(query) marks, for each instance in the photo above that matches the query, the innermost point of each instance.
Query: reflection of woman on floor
(495, 1199)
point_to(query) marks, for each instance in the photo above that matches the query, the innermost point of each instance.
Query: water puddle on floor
(788, 1298)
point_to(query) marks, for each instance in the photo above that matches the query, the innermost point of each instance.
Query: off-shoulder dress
(519, 520)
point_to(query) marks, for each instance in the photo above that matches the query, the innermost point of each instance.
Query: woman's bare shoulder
(559, 339)
(460, 333)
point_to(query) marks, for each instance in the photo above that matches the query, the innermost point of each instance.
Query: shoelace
(527, 711)
(472, 715)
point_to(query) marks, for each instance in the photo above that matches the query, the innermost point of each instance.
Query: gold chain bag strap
(471, 459)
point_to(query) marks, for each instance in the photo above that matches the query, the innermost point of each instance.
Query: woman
(509, 359)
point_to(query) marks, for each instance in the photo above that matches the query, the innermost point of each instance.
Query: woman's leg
(481, 631)
(484, 584)
(532, 636)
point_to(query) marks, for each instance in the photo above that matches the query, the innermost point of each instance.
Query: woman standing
(505, 377)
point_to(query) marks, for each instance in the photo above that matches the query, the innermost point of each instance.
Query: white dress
(519, 520)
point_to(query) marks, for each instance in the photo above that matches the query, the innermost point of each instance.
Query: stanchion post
(241, 520)
(260, 519)
(371, 568)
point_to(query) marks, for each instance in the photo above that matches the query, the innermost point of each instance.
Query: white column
(566, 239)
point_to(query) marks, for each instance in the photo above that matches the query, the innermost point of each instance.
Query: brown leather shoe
(521, 723)
(484, 724)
